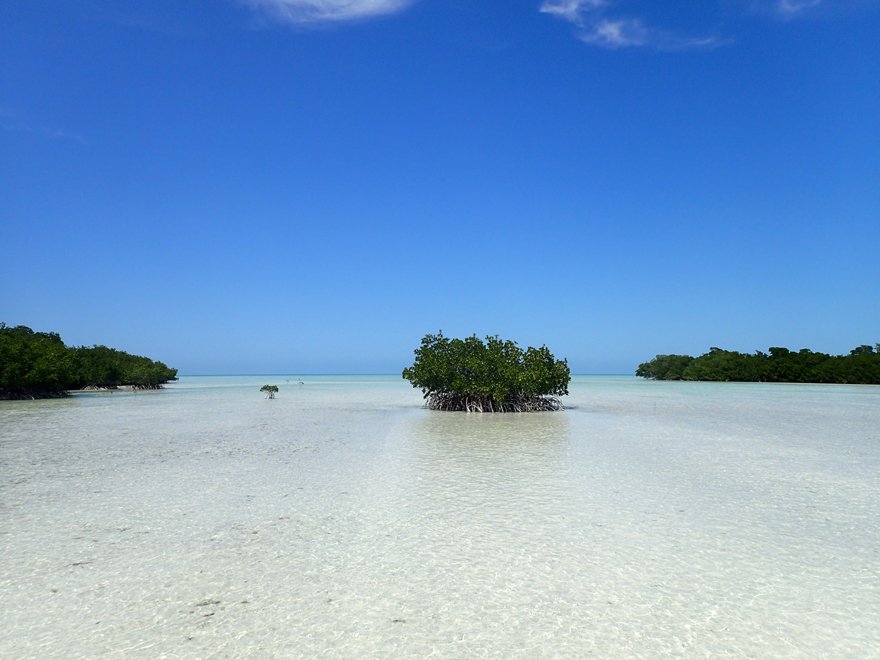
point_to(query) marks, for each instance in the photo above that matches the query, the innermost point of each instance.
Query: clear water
(344, 520)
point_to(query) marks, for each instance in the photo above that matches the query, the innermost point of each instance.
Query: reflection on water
(343, 519)
(506, 448)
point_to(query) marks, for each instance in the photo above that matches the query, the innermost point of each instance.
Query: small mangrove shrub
(492, 376)
(270, 390)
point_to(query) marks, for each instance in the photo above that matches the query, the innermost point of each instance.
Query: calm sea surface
(343, 520)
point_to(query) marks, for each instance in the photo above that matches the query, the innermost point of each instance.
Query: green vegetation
(36, 365)
(270, 390)
(495, 376)
(780, 365)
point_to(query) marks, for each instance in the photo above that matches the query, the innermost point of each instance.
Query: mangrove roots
(477, 403)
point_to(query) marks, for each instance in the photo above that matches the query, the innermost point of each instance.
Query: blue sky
(246, 186)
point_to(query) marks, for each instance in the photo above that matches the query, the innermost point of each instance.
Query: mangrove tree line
(38, 365)
(779, 365)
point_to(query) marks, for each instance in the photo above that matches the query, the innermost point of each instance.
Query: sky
(310, 186)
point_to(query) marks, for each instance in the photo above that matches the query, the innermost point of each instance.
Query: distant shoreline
(113, 388)
(36, 395)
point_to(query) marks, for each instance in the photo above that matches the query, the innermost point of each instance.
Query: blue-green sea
(344, 520)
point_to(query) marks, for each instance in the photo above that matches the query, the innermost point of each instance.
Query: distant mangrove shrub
(37, 365)
(780, 365)
(492, 376)
(270, 390)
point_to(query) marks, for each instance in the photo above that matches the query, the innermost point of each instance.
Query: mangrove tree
(494, 375)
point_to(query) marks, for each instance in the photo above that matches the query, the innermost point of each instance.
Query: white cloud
(310, 12)
(570, 10)
(791, 7)
(599, 25)
(632, 33)
(617, 33)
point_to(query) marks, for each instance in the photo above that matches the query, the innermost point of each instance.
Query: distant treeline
(780, 365)
(37, 365)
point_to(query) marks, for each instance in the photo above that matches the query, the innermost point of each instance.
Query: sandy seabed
(343, 520)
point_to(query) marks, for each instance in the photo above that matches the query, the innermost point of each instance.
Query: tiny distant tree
(270, 390)
(491, 376)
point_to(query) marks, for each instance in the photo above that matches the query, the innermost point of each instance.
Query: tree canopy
(780, 365)
(39, 364)
(492, 376)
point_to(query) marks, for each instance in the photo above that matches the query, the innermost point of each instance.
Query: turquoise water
(344, 520)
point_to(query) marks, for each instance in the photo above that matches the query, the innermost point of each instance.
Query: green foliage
(495, 375)
(100, 366)
(665, 367)
(38, 364)
(270, 390)
(780, 365)
(33, 362)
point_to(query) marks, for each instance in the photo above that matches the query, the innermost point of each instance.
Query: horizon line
(353, 374)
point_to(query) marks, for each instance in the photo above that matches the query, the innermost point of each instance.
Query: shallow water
(344, 520)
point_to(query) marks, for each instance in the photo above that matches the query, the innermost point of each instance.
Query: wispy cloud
(631, 32)
(599, 24)
(9, 121)
(616, 33)
(570, 10)
(313, 12)
(792, 7)
(619, 33)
